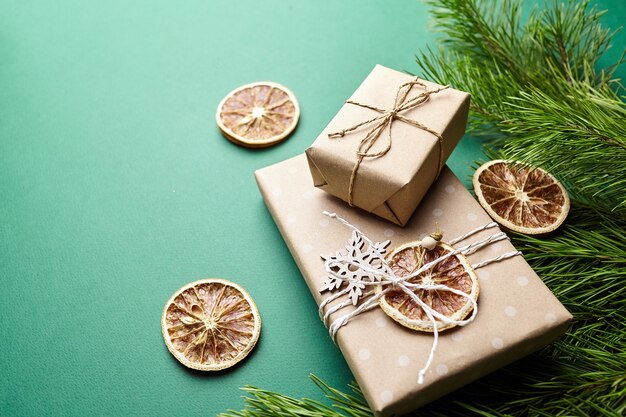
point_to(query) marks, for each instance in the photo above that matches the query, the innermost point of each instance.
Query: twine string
(383, 123)
(384, 277)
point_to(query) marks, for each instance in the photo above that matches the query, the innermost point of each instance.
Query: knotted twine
(384, 122)
(381, 274)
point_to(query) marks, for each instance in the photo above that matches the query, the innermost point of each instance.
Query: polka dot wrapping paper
(517, 313)
(408, 131)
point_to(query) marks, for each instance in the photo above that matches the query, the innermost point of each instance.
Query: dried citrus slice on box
(454, 272)
(258, 115)
(521, 198)
(210, 324)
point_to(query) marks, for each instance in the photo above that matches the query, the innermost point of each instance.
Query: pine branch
(582, 142)
(263, 403)
(535, 90)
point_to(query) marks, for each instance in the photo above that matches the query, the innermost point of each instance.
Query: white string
(384, 276)
(473, 232)
(496, 259)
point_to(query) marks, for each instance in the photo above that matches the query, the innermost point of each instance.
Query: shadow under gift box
(393, 185)
(517, 313)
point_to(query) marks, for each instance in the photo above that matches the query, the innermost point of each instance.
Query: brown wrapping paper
(393, 185)
(517, 313)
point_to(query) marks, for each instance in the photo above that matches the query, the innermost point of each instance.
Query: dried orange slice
(454, 272)
(210, 324)
(521, 198)
(258, 115)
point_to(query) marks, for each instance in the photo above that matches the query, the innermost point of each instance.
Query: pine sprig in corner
(263, 403)
(536, 93)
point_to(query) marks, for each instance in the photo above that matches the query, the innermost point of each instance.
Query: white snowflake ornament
(347, 266)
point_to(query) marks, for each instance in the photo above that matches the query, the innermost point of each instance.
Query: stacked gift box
(380, 163)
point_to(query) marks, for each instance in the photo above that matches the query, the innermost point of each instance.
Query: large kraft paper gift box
(517, 314)
(390, 186)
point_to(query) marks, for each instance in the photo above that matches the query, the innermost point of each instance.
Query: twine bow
(380, 274)
(384, 122)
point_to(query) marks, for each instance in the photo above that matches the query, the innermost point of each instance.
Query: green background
(116, 188)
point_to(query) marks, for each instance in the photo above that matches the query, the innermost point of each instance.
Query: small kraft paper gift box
(388, 143)
(399, 368)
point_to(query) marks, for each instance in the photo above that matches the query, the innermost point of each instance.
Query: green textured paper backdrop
(116, 189)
